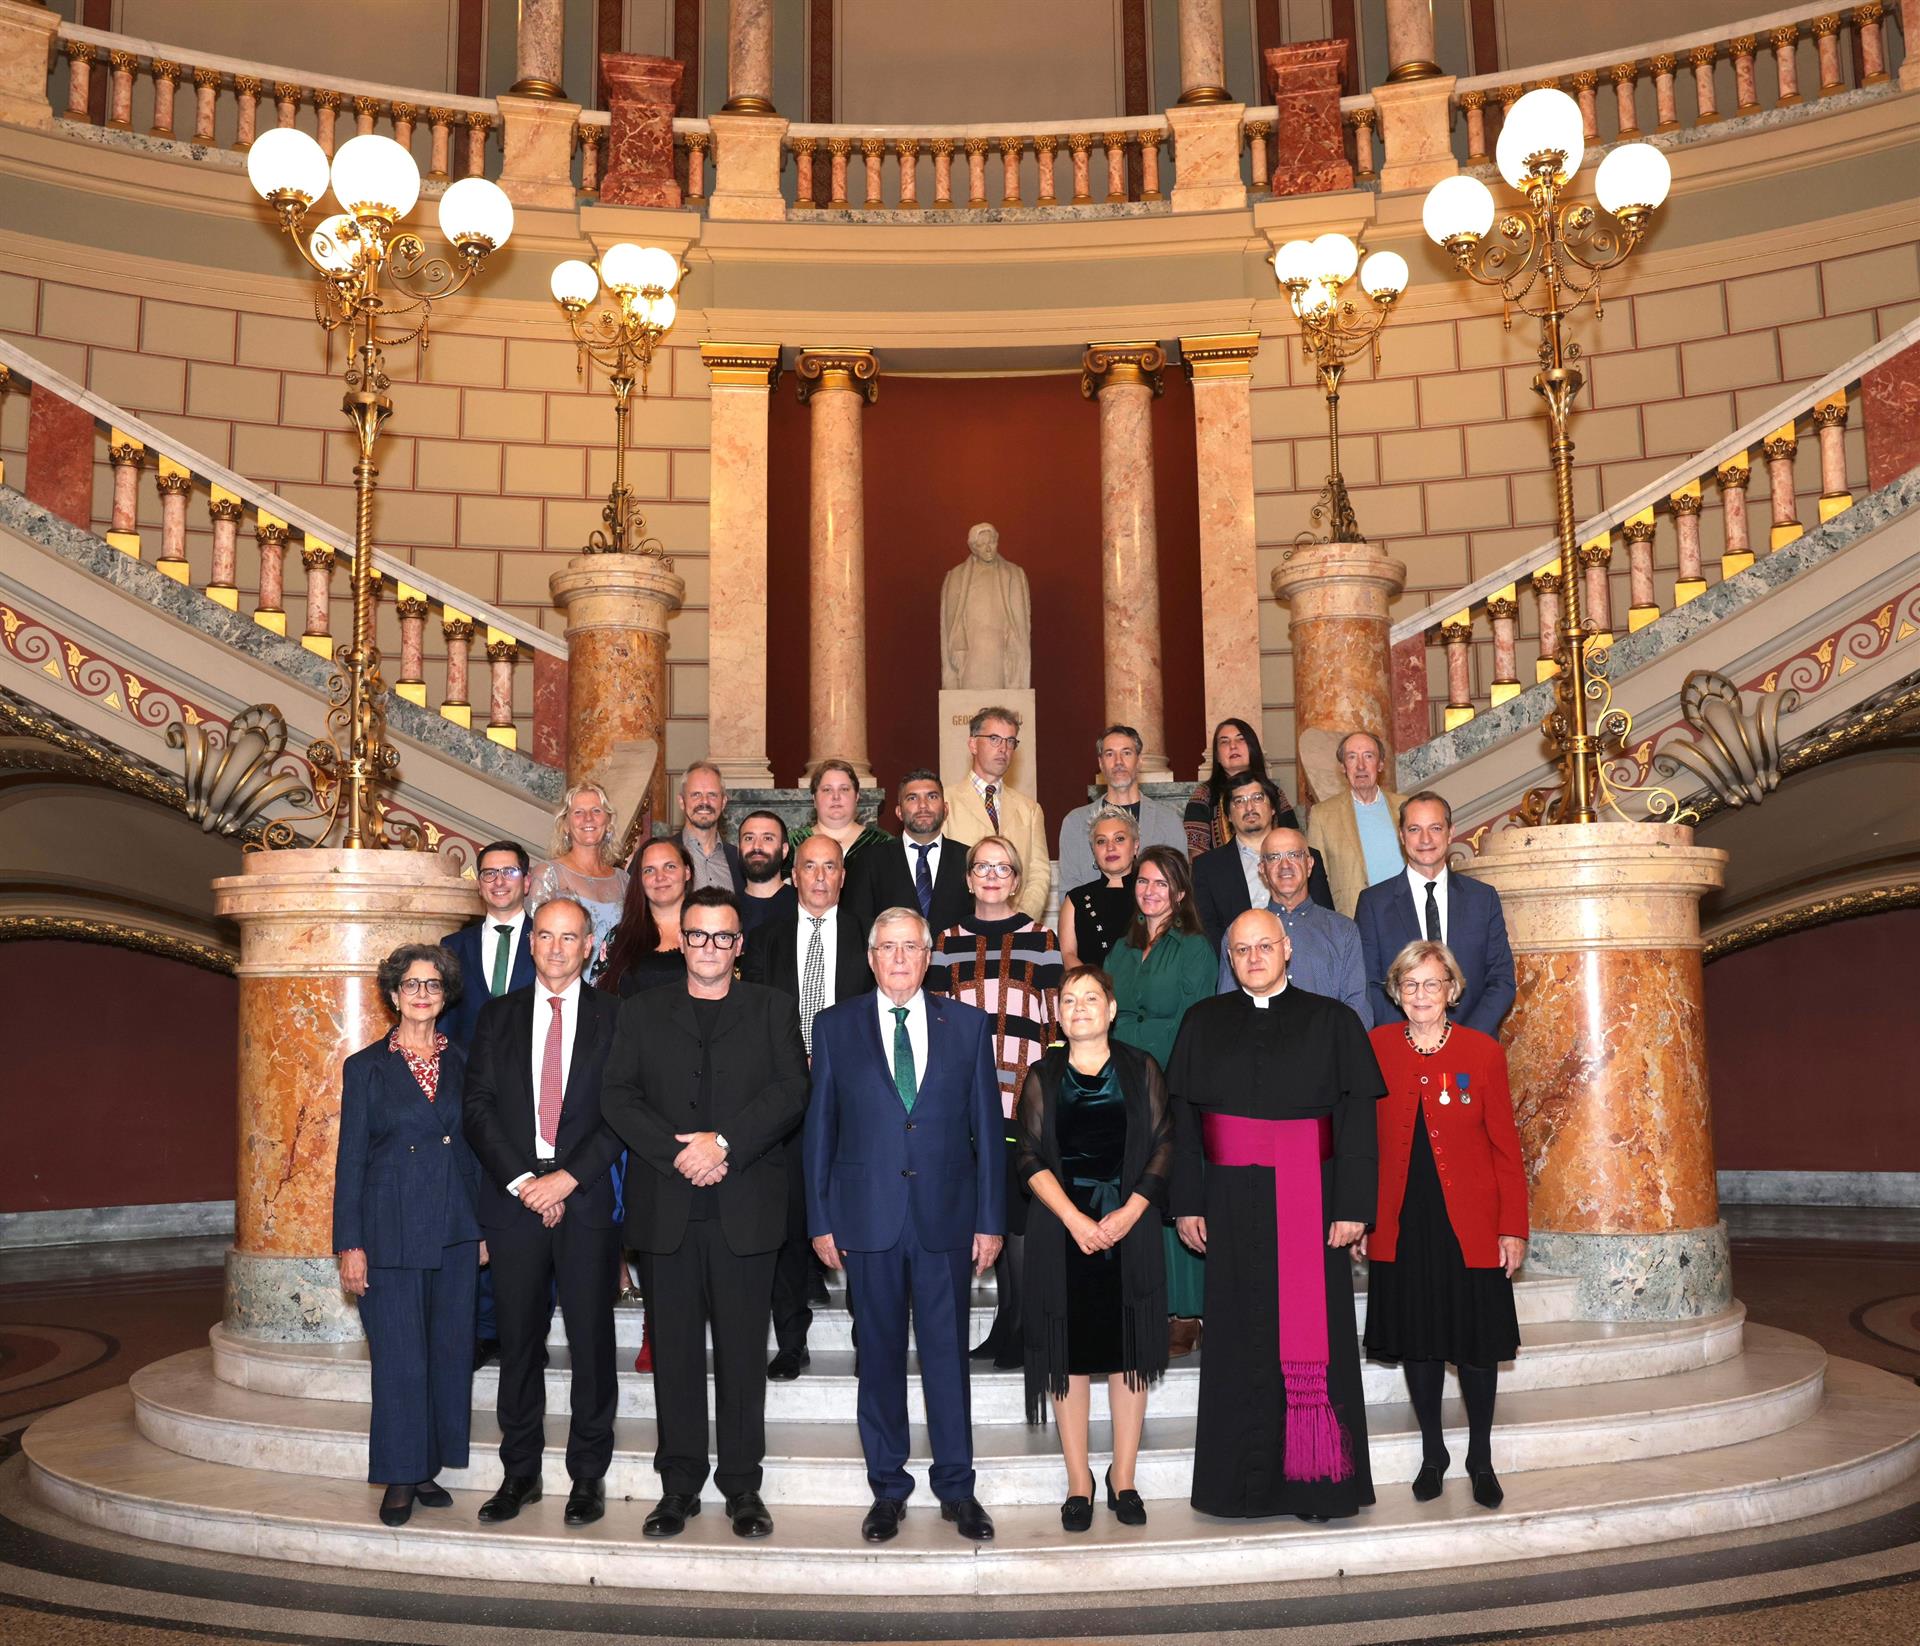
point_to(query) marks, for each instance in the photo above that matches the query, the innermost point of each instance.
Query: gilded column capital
(1828, 414)
(741, 365)
(476, 121)
(1219, 355)
(839, 145)
(164, 68)
(226, 508)
(1081, 142)
(1105, 364)
(82, 51)
(459, 630)
(1360, 117)
(1743, 45)
(1502, 609)
(1665, 63)
(1455, 634)
(908, 148)
(286, 91)
(317, 557)
(331, 99)
(1624, 73)
(1687, 502)
(943, 145)
(1780, 447)
(976, 145)
(852, 371)
(873, 147)
(125, 61)
(439, 117)
(368, 107)
(132, 452)
(1546, 581)
(1509, 95)
(697, 141)
(1784, 36)
(406, 111)
(410, 609)
(1468, 100)
(1638, 531)
(1827, 26)
(1703, 57)
(1046, 145)
(208, 77)
(271, 531)
(502, 651)
(1597, 553)
(1583, 80)
(169, 483)
(1872, 12)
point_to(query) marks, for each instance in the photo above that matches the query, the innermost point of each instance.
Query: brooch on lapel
(1465, 1096)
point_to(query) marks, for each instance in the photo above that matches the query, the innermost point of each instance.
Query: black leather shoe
(989, 1349)
(1126, 1506)
(487, 1348)
(972, 1521)
(1426, 1484)
(882, 1524)
(397, 1506)
(587, 1502)
(516, 1491)
(1486, 1488)
(1011, 1361)
(749, 1515)
(671, 1514)
(430, 1494)
(788, 1364)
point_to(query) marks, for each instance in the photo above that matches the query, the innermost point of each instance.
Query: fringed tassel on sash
(1046, 1366)
(1317, 1446)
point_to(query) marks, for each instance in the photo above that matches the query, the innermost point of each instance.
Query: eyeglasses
(422, 986)
(1425, 985)
(1266, 945)
(697, 939)
(513, 873)
(993, 871)
(1243, 801)
(899, 951)
(1283, 857)
(999, 740)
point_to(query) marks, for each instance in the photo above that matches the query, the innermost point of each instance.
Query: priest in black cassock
(1274, 1179)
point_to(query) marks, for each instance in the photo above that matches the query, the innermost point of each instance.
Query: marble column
(1221, 368)
(742, 375)
(1203, 53)
(749, 57)
(642, 93)
(1310, 154)
(541, 46)
(1124, 379)
(1414, 104)
(1410, 49)
(836, 384)
(617, 607)
(1909, 30)
(1606, 1052)
(1337, 595)
(27, 35)
(314, 926)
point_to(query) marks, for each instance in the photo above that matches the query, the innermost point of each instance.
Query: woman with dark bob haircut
(404, 1229)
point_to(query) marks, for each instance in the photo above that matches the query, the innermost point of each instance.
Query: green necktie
(903, 1081)
(502, 958)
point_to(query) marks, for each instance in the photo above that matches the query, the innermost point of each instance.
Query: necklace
(1446, 1034)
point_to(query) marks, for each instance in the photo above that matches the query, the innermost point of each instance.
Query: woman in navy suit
(403, 1224)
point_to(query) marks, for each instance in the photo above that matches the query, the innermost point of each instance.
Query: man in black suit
(1226, 880)
(705, 1083)
(533, 1117)
(818, 956)
(923, 870)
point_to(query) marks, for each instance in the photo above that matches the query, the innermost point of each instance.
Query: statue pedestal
(960, 706)
(314, 927)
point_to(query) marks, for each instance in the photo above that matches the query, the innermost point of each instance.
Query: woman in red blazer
(1452, 1222)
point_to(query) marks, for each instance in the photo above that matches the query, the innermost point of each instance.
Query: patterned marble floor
(75, 1320)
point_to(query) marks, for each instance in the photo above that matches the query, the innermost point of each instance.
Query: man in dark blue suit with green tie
(906, 1189)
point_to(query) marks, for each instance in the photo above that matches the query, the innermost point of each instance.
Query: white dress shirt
(916, 1032)
(1258, 896)
(569, 1026)
(490, 945)
(1418, 883)
(912, 849)
(829, 950)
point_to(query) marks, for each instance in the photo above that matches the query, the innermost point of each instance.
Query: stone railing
(1683, 532)
(1783, 60)
(1360, 123)
(692, 154)
(168, 92)
(229, 538)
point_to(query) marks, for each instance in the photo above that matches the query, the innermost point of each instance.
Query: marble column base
(1206, 146)
(289, 1300)
(537, 139)
(1681, 1274)
(747, 153)
(1415, 133)
(26, 42)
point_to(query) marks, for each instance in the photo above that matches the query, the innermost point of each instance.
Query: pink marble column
(246, 119)
(81, 56)
(1746, 87)
(1412, 721)
(1547, 592)
(976, 148)
(1688, 580)
(1868, 20)
(128, 457)
(1458, 640)
(478, 125)
(1596, 561)
(1826, 39)
(316, 559)
(405, 117)
(742, 374)
(173, 485)
(1503, 614)
(540, 47)
(1081, 143)
(1124, 379)
(943, 148)
(326, 117)
(439, 142)
(1473, 104)
(1410, 48)
(642, 93)
(206, 92)
(270, 609)
(412, 609)
(120, 97)
(749, 57)
(907, 151)
(1890, 409)
(366, 110)
(1312, 151)
(1830, 420)
(166, 79)
(1785, 41)
(458, 633)
(1586, 93)
(502, 650)
(1780, 447)
(225, 514)
(1221, 367)
(1626, 83)
(1666, 109)
(60, 457)
(1642, 607)
(550, 690)
(837, 385)
(1702, 58)
(1203, 53)
(1737, 554)
(1044, 149)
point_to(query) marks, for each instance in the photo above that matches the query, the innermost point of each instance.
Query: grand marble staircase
(1609, 1435)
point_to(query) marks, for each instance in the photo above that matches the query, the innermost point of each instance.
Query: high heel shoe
(396, 1508)
(1126, 1506)
(1076, 1514)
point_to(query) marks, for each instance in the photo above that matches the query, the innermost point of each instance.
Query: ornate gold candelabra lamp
(379, 285)
(1546, 259)
(1333, 330)
(621, 339)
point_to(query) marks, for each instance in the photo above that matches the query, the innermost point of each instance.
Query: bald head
(1285, 864)
(1257, 948)
(819, 871)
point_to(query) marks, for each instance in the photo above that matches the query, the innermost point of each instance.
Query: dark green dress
(1092, 1129)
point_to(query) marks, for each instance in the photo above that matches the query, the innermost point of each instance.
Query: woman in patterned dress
(584, 864)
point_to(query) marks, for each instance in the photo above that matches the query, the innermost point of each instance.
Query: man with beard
(703, 803)
(768, 894)
(923, 869)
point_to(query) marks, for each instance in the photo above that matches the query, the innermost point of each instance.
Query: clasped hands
(1103, 1234)
(546, 1196)
(702, 1162)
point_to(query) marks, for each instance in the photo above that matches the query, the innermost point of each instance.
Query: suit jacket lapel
(1403, 902)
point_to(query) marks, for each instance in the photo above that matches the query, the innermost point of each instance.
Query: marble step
(1557, 1354)
(180, 1405)
(1536, 1299)
(89, 1461)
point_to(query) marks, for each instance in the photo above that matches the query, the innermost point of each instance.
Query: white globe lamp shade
(1293, 263)
(1632, 178)
(375, 175)
(285, 160)
(658, 270)
(1543, 121)
(1315, 300)
(475, 210)
(1335, 258)
(574, 284)
(1384, 275)
(659, 312)
(621, 267)
(334, 243)
(1457, 208)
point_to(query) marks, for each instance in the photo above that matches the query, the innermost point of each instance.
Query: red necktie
(993, 811)
(550, 1079)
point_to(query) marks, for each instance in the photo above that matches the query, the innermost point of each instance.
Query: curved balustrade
(230, 538)
(1660, 548)
(1359, 120)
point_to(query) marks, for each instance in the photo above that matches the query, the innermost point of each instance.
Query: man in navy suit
(494, 953)
(906, 1189)
(1431, 901)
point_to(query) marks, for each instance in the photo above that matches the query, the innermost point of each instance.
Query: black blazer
(468, 945)
(501, 1108)
(882, 878)
(773, 958)
(1220, 889)
(759, 1096)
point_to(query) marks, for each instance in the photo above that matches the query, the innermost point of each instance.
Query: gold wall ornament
(1734, 749)
(853, 371)
(1821, 912)
(63, 928)
(230, 777)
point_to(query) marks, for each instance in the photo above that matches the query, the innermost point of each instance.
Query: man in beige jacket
(1357, 834)
(984, 805)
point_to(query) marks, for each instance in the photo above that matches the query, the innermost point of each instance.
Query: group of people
(1247, 1051)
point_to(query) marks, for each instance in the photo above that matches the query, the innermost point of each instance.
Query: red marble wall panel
(1412, 723)
(60, 457)
(642, 93)
(550, 710)
(1890, 408)
(1310, 145)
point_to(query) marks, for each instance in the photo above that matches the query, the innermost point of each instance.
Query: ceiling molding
(1823, 911)
(54, 928)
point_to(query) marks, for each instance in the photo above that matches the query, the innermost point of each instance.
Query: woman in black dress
(643, 950)
(1094, 917)
(1095, 1147)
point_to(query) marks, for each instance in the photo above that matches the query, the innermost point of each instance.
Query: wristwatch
(721, 1139)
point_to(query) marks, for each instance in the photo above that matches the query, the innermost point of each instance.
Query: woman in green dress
(836, 811)
(1161, 967)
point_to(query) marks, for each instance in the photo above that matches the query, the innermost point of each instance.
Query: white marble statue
(986, 619)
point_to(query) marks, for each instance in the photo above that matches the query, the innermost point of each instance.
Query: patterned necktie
(1433, 915)
(813, 982)
(903, 1081)
(993, 811)
(550, 1090)
(923, 879)
(502, 959)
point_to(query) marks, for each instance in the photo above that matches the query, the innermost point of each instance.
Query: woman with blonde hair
(584, 863)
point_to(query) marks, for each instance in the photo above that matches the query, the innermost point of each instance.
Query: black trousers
(530, 1263)
(704, 1284)
(793, 1265)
